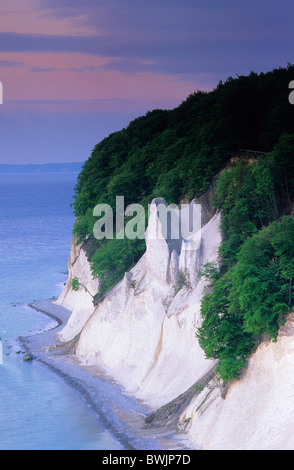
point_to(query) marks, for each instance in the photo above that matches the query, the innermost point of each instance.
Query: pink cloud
(70, 76)
(29, 17)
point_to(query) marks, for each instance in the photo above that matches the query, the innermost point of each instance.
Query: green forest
(174, 154)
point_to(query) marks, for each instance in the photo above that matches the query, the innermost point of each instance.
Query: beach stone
(27, 358)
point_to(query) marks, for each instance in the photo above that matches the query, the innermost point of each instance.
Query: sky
(74, 71)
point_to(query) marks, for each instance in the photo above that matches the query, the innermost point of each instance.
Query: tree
(113, 259)
(283, 243)
(257, 285)
(221, 335)
(250, 300)
(76, 284)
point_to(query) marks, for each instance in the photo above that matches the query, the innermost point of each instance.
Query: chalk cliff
(257, 411)
(143, 335)
(80, 302)
(143, 331)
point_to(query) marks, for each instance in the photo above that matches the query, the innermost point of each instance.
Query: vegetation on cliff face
(253, 291)
(250, 299)
(174, 154)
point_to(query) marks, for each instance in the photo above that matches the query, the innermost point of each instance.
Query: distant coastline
(42, 168)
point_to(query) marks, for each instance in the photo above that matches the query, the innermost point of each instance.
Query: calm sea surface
(38, 410)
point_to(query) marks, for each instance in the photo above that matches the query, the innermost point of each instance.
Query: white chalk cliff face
(257, 412)
(143, 332)
(80, 302)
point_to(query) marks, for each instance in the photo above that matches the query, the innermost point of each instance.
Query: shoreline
(120, 414)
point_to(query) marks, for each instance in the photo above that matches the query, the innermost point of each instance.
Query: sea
(38, 410)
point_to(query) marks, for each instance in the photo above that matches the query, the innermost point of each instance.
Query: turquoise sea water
(38, 411)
